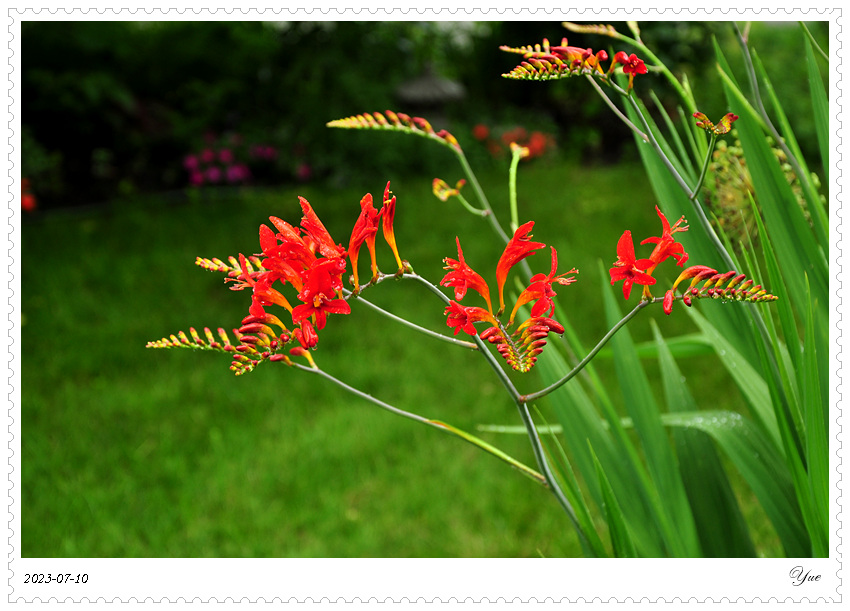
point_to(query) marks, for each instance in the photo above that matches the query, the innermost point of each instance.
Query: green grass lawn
(132, 452)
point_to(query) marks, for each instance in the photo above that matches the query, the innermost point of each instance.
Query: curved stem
(657, 63)
(470, 175)
(705, 166)
(616, 110)
(533, 437)
(470, 207)
(815, 44)
(581, 365)
(442, 426)
(411, 325)
(657, 147)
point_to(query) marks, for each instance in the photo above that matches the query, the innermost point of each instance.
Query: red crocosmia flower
(540, 289)
(265, 295)
(632, 65)
(666, 246)
(519, 247)
(388, 213)
(365, 230)
(462, 317)
(628, 269)
(333, 267)
(463, 277)
(317, 232)
(287, 232)
(320, 299)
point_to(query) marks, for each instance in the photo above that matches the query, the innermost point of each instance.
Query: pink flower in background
(213, 174)
(229, 159)
(190, 162)
(237, 173)
(260, 151)
(303, 172)
(225, 156)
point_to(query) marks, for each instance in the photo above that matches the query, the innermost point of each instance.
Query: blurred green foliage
(148, 94)
(111, 108)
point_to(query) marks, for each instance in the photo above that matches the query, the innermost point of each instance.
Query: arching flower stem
(442, 426)
(471, 208)
(654, 143)
(409, 324)
(522, 407)
(479, 193)
(647, 53)
(581, 365)
(614, 108)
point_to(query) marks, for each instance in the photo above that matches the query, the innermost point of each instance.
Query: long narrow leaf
(794, 240)
(761, 466)
(817, 442)
(748, 379)
(621, 541)
(820, 106)
(677, 522)
(722, 529)
(581, 424)
(815, 207)
(591, 542)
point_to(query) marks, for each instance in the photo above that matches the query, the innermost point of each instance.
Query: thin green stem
(409, 324)
(521, 403)
(657, 147)
(470, 207)
(479, 193)
(659, 65)
(705, 166)
(581, 365)
(442, 426)
(516, 155)
(700, 212)
(815, 44)
(614, 108)
(488, 210)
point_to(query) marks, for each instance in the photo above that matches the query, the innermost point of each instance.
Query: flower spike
(399, 122)
(604, 30)
(729, 286)
(724, 126)
(443, 191)
(545, 62)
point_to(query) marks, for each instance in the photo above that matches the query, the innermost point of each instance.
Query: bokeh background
(146, 144)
